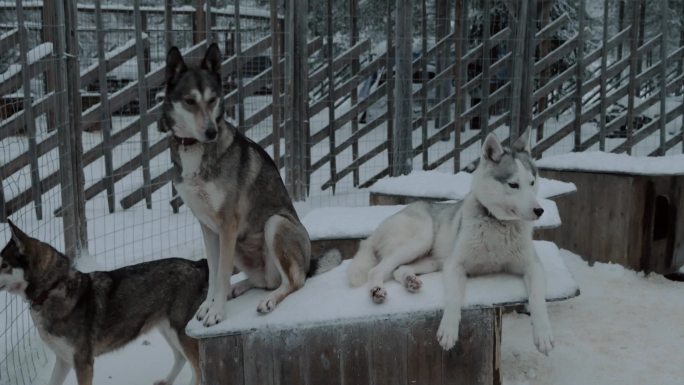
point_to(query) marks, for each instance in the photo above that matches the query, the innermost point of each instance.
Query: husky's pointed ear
(212, 59)
(523, 142)
(491, 149)
(175, 65)
(19, 237)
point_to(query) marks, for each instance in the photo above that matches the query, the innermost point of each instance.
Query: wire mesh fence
(339, 93)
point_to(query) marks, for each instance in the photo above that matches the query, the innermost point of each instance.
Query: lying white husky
(490, 231)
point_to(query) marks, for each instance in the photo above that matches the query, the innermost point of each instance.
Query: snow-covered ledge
(598, 161)
(437, 185)
(329, 333)
(328, 299)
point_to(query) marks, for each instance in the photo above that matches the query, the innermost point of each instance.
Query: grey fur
(235, 191)
(89, 314)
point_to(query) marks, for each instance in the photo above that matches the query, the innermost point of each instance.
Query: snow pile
(360, 222)
(328, 298)
(441, 185)
(616, 163)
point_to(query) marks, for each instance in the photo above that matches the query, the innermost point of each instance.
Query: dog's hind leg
(59, 372)
(403, 253)
(407, 275)
(288, 253)
(211, 246)
(191, 351)
(171, 336)
(83, 365)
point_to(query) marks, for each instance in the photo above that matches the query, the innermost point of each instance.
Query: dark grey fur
(102, 311)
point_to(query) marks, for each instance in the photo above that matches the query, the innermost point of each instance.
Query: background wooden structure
(634, 220)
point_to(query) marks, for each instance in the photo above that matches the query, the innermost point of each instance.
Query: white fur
(203, 198)
(420, 239)
(14, 283)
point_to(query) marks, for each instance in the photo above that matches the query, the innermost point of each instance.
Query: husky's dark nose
(538, 211)
(210, 134)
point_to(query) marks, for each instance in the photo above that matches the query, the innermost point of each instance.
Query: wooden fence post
(527, 101)
(330, 53)
(486, 73)
(48, 35)
(276, 80)
(633, 68)
(460, 42)
(297, 124)
(29, 119)
(442, 29)
(70, 143)
(239, 63)
(389, 81)
(519, 56)
(604, 79)
(580, 75)
(105, 117)
(664, 27)
(142, 104)
(198, 25)
(355, 67)
(403, 109)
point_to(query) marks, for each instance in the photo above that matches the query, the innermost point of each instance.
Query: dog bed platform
(344, 227)
(329, 333)
(438, 186)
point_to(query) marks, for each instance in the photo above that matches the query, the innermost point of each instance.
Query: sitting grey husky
(490, 231)
(233, 188)
(82, 315)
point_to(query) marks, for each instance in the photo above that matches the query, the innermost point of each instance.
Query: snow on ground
(624, 329)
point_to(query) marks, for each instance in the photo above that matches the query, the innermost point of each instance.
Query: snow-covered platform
(627, 210)
(327, 331)
(437, 186)
(345, 227)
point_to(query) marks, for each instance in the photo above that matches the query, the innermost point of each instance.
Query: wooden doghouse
(627, 210)
(328, 333)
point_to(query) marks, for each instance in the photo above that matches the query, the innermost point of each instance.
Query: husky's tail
(363, 261)
(331, 259)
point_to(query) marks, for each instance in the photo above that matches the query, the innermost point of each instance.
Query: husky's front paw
(413, 283)
(203, 310)
(214, 316)
(447, 334)
(267, 305)
(543, 338)
(378, 294)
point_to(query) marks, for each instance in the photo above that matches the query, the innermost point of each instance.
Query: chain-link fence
(340, 93)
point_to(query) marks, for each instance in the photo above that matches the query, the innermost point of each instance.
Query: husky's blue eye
(514, 185)
(189, 101)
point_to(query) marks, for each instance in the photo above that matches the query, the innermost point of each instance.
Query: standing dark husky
(234, 189)
(82, 315)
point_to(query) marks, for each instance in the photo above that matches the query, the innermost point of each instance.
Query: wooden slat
(13, 82)
(356, 163)
(650, 128)
(555, 55)
(9, 39)
(222, 358)
(14, 124)
(340, 60)
(552, 27)
(91, 74)
(139, 194)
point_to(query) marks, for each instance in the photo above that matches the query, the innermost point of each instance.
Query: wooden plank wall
(394, 351)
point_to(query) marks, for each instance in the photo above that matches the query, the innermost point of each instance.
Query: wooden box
(632, 219)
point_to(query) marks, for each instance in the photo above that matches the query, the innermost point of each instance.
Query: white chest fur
(204, 198)
(59, 345)
(489, 247)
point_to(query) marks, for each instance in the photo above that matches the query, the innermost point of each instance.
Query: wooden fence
(539, 85)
